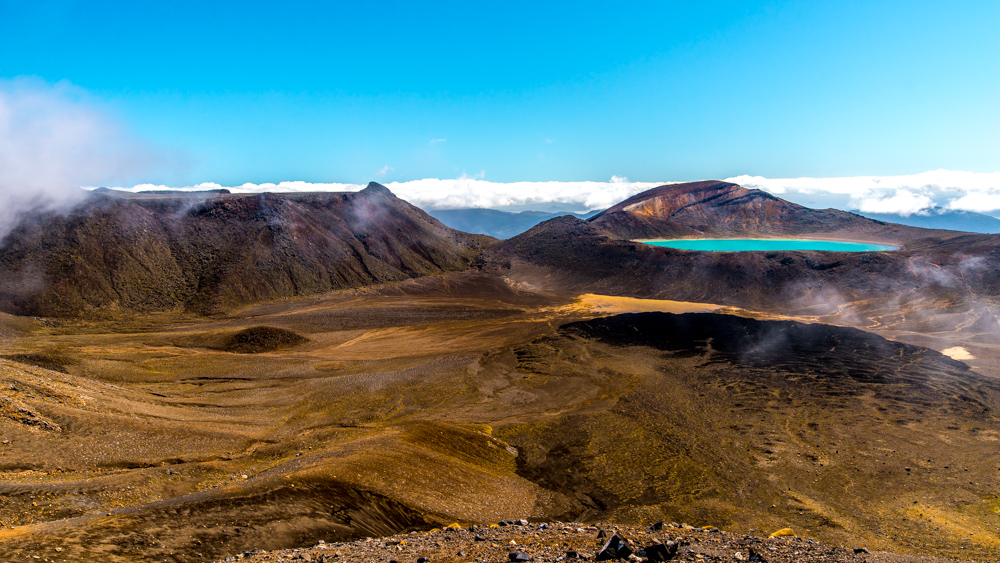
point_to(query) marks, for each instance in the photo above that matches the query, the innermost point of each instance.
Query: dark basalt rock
(615, 548)
(830, 360)
(658, 552)
(784, 346)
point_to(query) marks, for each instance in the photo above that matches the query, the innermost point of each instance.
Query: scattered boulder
(658, 551)
(615, 548)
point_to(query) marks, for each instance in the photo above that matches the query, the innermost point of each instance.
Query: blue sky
(234, 92)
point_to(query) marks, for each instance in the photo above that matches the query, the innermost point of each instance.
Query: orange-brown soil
(459, 398)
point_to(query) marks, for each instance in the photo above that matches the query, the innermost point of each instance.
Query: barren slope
(720, 209)
(456, 398)
(210, 252)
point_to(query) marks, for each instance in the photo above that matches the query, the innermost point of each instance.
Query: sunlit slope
(455, 399)
(722, 209)
(160, 442)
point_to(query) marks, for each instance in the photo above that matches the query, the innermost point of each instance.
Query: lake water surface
(749, 244)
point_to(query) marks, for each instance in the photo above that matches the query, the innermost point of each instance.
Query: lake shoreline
(743, 244)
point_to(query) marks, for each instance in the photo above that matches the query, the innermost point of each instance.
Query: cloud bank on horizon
(903, 195)
(54, 139)
(914, 194)
(464, 192)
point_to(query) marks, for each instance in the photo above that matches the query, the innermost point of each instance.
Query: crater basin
(768, 244)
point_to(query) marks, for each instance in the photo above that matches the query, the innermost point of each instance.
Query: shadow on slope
(743, 424)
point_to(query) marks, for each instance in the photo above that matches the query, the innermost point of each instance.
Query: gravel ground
(555, 542)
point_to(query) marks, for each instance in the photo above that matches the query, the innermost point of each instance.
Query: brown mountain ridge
(210, 252)
(719, 209)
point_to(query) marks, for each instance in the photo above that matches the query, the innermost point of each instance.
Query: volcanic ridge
(206, 252)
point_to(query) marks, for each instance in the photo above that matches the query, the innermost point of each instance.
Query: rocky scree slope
(520, 541)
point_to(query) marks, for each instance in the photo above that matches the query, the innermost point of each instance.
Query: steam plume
(52, 142)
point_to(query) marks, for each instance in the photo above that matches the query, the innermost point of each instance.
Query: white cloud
(52, 141)
(436, 141)
(903, 202)
(906, 194)
(978, 201)
(941, 180)
(384, 170)
(471, 192)
(464, 192)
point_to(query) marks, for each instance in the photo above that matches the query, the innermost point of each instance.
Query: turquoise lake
(758, 244)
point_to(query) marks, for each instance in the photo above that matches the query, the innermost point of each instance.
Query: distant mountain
(499, 224)
(714, 209)
(599, 256)
(212, 252)
(939, 218)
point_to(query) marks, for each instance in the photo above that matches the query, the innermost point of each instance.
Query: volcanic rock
(615, 548)
(658, 552)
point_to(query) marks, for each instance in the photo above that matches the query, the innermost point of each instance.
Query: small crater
(262, 339)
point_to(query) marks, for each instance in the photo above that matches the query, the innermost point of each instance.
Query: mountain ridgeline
(721, 209)
(601, 254)
(211, 252)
